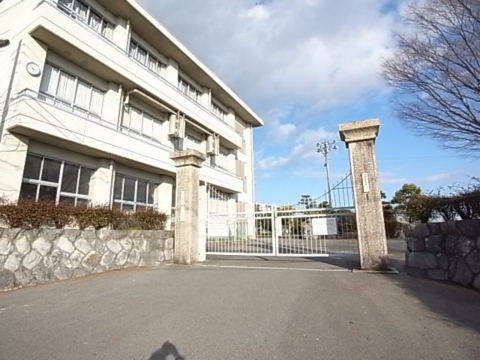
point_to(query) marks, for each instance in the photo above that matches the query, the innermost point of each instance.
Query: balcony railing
(71, 14)
(89, 116)
(56, 4)
(62, 105)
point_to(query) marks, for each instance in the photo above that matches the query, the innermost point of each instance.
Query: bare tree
(436, 72)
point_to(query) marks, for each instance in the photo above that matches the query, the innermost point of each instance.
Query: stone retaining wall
(30, 257)
(445, 251)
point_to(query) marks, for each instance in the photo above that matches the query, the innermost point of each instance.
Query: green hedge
(33, 215)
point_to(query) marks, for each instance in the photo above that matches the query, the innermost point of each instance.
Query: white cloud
(389, 178)
(314, 52)
(304, 148)
(281, 132)
(258, 12)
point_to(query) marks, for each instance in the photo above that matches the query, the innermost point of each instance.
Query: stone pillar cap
(188, 157)
(359, 130)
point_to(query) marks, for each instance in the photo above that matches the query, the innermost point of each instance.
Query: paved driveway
(252, 309)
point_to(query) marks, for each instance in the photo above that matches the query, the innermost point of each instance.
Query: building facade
(96, 95)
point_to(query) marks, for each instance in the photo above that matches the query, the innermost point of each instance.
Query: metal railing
(71, 14)
(310, 228)
(62, 105)
(307, 233)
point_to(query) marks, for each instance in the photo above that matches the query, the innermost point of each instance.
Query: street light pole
(325, 148)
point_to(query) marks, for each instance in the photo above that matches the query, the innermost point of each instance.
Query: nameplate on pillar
(182, 205)
(365, 183)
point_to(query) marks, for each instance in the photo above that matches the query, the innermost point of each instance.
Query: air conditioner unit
(176, 126)
(213, 144)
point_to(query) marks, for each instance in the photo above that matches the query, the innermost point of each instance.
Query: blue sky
(306, 66)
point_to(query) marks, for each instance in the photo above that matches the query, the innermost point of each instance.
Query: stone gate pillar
(359, 137)
(188, 163)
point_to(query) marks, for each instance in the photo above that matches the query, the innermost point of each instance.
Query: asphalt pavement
(242, 309)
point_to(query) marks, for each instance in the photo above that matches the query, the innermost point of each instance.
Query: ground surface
(242, 309)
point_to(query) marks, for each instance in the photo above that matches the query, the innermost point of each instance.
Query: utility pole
(325, 148)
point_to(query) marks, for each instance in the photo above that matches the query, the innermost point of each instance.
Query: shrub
(392, 227)
(97, 217)
(149, 220)
(420, 207)
(12, 215)
(33, 215)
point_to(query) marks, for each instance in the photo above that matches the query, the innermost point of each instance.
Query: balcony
(221, 178)
(46, 119)
(59, 124)
(103, 57)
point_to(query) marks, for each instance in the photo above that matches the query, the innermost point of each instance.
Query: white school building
(96, 95)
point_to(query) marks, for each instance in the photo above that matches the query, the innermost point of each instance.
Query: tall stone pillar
(188, 163)
(359, 137)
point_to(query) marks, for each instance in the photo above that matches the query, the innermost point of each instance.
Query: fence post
(359, 137)
(187, 244)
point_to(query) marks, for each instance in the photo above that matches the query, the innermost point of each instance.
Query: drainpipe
(10, 86)
(121, 108)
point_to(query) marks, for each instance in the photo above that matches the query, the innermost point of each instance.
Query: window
(217, 200)
(132, 193)
(83, 12)
(70, 92)
(53, 180)
(145, 58)
(193, 140)
(188, 89)
(143, 123)
(221, 160)
(218, 111)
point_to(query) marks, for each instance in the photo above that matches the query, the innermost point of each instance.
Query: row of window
(142, 123)
(46, 179)
(188, 89)
(217, 200)
(53, 180)
(83, 12)
(132, 193)
(218, 111)
(71, 92)
(146, 58)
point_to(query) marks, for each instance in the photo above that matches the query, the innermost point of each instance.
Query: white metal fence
(310, 228)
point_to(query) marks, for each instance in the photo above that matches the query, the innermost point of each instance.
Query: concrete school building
(94, 98)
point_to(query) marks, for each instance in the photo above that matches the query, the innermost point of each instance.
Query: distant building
(95, 96)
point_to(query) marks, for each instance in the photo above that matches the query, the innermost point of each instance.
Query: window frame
(218, 110)
(133, 48)
(217, 200)
(135, 203)
(58, 185)
(72, 12)
(187, 88)
(143, 113)
(72, 104)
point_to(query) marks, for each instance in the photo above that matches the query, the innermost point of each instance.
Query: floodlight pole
(325, 148)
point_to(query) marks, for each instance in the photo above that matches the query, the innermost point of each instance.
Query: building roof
(152, 31)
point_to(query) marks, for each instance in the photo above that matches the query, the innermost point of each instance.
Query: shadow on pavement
(167, 349)
(343, 261)
(455, 304)
(346, 261)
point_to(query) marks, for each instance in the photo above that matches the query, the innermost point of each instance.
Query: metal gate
(312, 228)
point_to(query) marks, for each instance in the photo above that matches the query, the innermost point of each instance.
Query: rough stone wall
(445, 251)
(30, 257)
